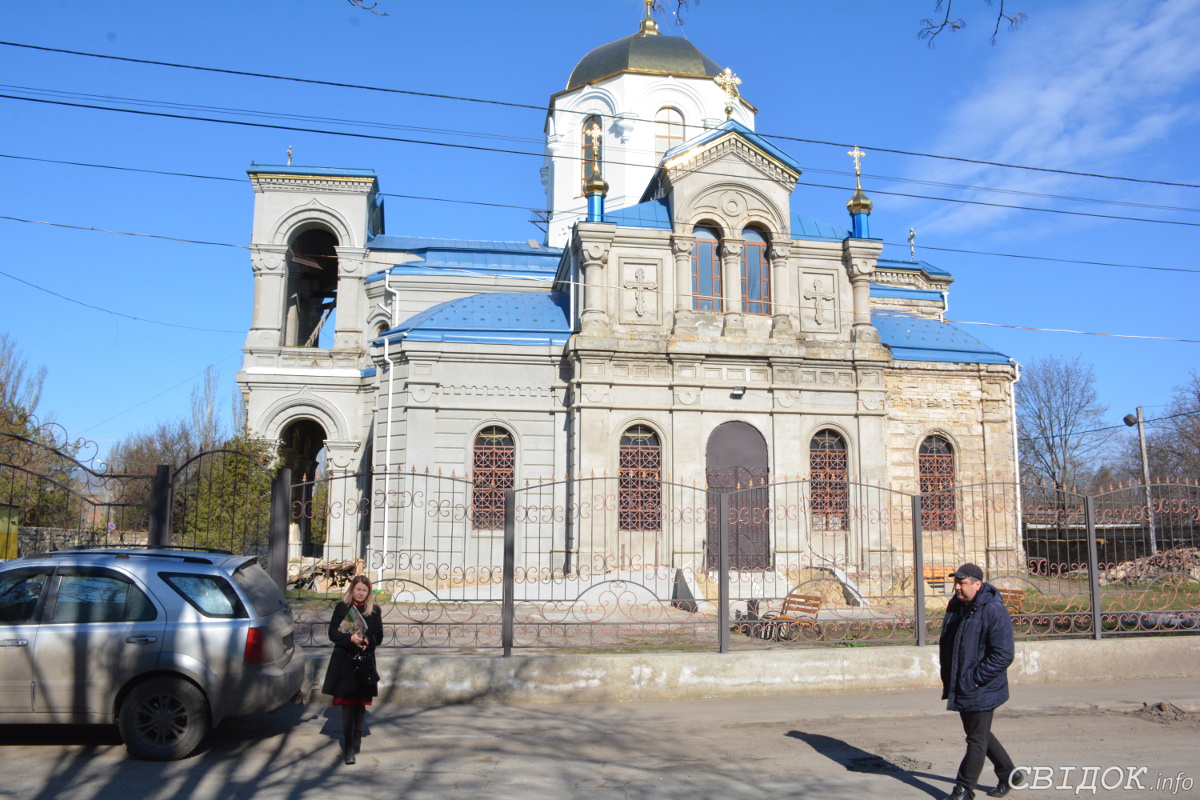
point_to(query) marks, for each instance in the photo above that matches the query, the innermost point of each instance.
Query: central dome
(644, 54)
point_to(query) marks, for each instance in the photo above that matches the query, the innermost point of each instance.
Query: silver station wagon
(164, 643)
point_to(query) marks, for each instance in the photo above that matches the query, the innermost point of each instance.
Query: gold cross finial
(649, 27)
(728, 82)
(289, 155)
(912, 243)
(857, 155)
(594, 132)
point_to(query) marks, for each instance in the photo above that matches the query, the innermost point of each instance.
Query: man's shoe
(1015, 779)
(959, 793)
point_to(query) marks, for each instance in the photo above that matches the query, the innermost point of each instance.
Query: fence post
(919, 571)
(159, 532)
(507, 610)
(277, 530)
(723, 572)
(1093, 567)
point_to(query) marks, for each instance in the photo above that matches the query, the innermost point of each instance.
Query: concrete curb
(623, 677)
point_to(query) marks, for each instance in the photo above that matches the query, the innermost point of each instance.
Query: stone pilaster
(859, 257)
(593, 242)
(269, 264)
(731, 285)
(782, 326)
(352, 271)
(685, 317)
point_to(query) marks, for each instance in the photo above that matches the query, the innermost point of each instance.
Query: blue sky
(1111, 88)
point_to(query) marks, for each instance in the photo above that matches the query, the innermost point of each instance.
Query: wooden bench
(935, 574)
(798, 610)
(1013, 599)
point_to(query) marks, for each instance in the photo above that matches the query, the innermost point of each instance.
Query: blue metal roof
(880, 290)
(299, 171)
(650, 214)
(438, 256)
(733, 126)
(519, 318)
(913, 338)
(912, 266)
(809, 228)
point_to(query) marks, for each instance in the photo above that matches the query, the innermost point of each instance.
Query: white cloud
(1093, 84)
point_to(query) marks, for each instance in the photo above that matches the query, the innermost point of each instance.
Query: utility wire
(1104, 429)
(467, 272)
(532, 107)
(480, 148)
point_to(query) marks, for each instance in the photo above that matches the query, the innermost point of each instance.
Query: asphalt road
(879, 745)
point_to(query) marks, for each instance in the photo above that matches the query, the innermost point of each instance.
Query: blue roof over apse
(912, 266)
(520, 318)
(809, 228)
(437, 256)
(733, 126)
(332, 172)
(880, 290)
(651, 214)
(913, 338)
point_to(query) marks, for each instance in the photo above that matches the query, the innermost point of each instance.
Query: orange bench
(798, 610)
(1014, 600)
(936, 574)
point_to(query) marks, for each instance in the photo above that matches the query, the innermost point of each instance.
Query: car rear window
(257, 584)
(211, 595)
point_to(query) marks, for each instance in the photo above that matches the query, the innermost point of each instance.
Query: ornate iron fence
(563, 564)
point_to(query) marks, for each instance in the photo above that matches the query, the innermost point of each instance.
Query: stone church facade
(679, 321)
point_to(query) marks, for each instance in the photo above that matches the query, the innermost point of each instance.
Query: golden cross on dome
(594, 132)
(857, 155)
(729, 82)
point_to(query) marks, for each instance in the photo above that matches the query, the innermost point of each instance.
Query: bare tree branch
(1058, 412)
(931, 28)
(372, 7)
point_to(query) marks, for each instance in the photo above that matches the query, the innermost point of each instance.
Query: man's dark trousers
(977, 725)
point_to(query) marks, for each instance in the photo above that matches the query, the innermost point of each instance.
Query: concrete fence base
(620, 677)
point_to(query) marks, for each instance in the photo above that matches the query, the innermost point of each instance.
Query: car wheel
(164, 719)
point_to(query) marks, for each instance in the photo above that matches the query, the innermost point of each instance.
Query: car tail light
(256, 646)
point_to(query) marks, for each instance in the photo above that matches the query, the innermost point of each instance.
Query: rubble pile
(1181, 561)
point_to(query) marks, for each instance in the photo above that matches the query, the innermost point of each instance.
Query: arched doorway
(311, 289)
(302, 450)
(736, 461)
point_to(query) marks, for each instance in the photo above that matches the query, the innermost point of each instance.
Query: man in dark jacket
(975, 649)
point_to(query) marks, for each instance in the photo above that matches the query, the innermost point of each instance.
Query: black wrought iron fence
(618, 562)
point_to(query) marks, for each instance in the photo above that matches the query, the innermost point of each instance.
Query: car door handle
(140, 639)
(15, 643)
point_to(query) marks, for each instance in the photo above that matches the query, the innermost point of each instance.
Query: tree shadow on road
(855, 759)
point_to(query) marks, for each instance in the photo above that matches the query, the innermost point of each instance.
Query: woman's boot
(348, 749)
(360, 714)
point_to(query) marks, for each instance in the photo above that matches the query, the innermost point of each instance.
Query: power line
(532, 107)
(461, 271)
(480, 148)
(1104, 429)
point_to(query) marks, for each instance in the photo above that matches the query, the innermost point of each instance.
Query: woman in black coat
(356, 629)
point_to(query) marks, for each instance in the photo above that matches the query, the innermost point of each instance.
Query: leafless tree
(1172, 439)
(365, 6)
(20, 387)
(932, 27)
(1060, 422)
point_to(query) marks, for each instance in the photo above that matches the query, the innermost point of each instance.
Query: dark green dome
(645, 54)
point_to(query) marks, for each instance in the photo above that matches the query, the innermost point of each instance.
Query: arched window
(638, 480)
(591, 132)
(312, 279)
(707, 291)
(935, 465)
(756, 274)
(493, 470)
(668, 130)
(828, 473)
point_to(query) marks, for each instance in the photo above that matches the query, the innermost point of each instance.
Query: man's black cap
(968, 571)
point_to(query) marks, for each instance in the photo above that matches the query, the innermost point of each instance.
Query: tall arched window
(493, 470)
(828, 473)
(638, 480)
(935, 465)
(589, 156)
(707, 291)
(668, 130)
(756, 274)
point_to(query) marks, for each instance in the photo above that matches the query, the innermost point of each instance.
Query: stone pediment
(730, 149)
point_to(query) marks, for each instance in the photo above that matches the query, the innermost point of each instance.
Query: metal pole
(1093, 567)
(919, 571)
(277, 535)
(723, 572)
(1146, 480)
(159, 532)
(507, 610)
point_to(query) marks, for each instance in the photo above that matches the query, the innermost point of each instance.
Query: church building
(680, 319)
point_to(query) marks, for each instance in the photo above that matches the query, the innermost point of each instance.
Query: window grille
(639, 480)
(828, 473)
(494, 470)
(935, 464)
